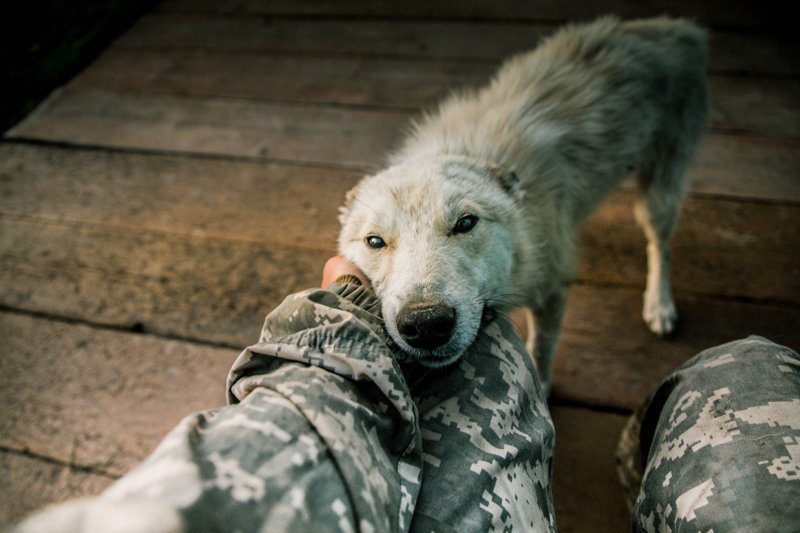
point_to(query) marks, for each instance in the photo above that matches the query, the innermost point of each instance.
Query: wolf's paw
(660, 316)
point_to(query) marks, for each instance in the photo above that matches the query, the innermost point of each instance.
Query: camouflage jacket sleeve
(327, 431)
(487, 439)
(331, 393)
(720, 443)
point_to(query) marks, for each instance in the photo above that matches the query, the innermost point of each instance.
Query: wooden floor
(154, 209)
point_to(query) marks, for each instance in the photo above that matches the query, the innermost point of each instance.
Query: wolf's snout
(426, 325)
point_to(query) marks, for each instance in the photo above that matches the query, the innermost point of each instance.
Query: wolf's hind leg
(657, 208)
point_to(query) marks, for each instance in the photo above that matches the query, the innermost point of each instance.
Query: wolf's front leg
(547, 325)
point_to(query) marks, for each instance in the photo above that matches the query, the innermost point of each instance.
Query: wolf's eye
(465, 224)
(373, 241)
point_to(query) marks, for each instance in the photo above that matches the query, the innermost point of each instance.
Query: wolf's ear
(349, 198)
(508, 181)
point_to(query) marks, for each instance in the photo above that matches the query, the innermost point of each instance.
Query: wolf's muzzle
(426, 325)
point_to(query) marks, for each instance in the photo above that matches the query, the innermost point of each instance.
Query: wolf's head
(437, 238)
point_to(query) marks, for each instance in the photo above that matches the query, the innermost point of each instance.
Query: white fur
(532, 155)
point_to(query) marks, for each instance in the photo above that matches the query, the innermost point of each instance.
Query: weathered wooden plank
(219, 290)
(755, 54)
(251, 201)
(606, 355)
(586, 492)
(729, 248)
(769, 107)
(381, 82)
(736, 165)
(747, 166)
(214, 290)
(405, 83)
(303, 133)
(107, 397)
(746, 13)
(273, 204)
(420, 38)
(738, 53)
(30, 484)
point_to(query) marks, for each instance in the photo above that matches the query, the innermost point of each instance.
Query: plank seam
(189, 234)
(782, 304)
(72, 466)
(356, 168)
(137, 328)
(410, 113)
(67, 145)
(781, 29)
(430, 58)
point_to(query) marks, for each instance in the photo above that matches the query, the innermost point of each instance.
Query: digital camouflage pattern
(392, 426)
(721, 444)
(487, 440)
(328, 431)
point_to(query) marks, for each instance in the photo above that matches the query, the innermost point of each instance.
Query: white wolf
(480, 206)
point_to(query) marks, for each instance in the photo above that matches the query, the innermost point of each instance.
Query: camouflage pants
(718, 445)
(327, 431)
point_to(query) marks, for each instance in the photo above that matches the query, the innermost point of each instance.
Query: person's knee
(720, 441)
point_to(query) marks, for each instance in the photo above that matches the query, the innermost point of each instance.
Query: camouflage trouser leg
(487, 441)
(719, 444)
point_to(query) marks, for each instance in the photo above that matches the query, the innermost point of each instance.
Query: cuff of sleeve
(346, 279)
(353, 290)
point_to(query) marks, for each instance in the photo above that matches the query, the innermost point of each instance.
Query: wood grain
(737, 165)
(746, 13)
(107, 396)
(751, 53)
(212, 290)
(276, 206)
(218, 291)
(231, 127)
(30, 484)
(584, 477)
(394, 83)
(249, 201)
(606, 355)
(487, 41)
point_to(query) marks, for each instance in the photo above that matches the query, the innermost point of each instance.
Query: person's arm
(321, 434)
(324, 433)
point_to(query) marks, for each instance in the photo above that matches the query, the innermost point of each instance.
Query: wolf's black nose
(425, 325)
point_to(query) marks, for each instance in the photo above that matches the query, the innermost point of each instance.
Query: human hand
(339, 266)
